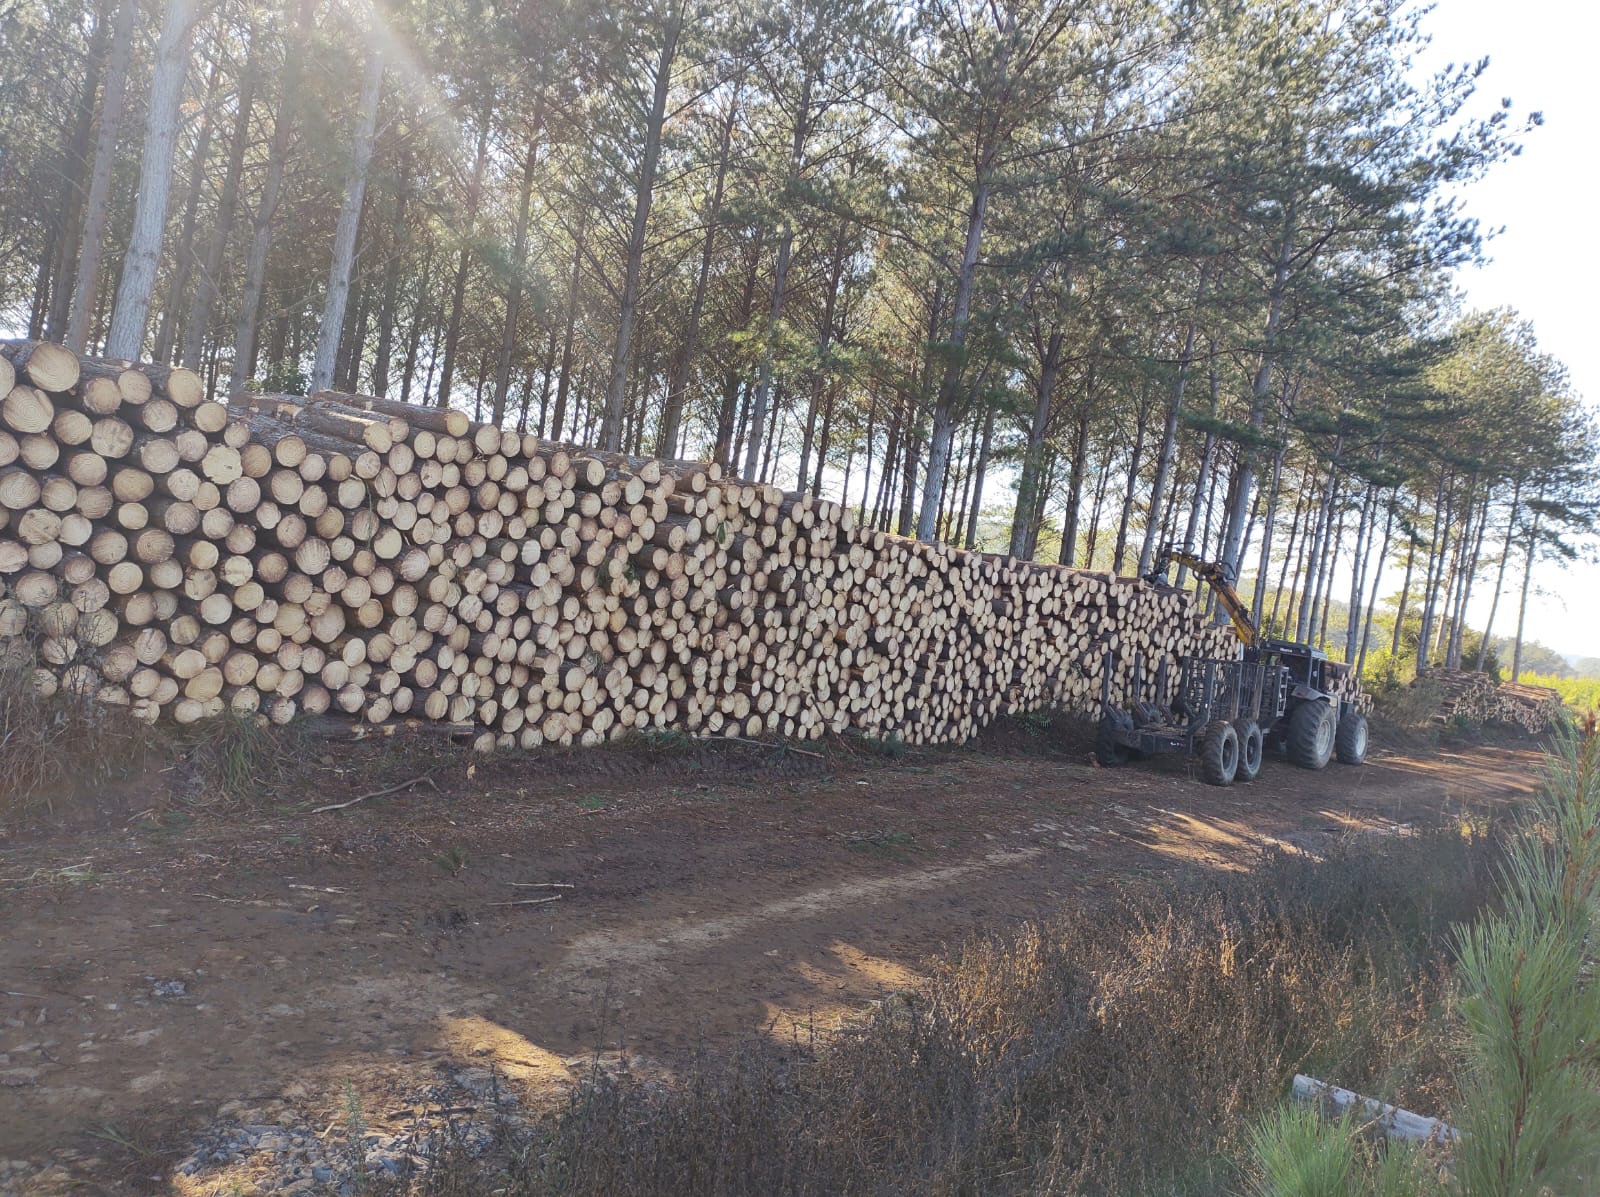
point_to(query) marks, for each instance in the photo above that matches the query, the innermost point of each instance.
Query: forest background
(1067, 279)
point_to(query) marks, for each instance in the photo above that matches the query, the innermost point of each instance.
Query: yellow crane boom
(1221, 582)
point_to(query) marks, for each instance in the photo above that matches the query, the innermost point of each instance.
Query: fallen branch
(530, 901)
(542, 885)
(395, 789)
(1395, 1122)
(761, 744)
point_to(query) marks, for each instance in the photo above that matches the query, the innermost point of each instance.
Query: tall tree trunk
(1500, 576)
(1451, 574)
(944, 411)
(458, 292)
(737, 386)
(1305, 622)
(166, 329)
(388, 313)
(1169, 523)
(546, 381)
(824, 441)
(1372, 595)
(1244, 479)
(912, 445)
(1169, 434)
(420, 314)
(980, 470)
(1281, 591)
(353, 343)
(891, 455)
(519, 266)
(1437, 540)
(866, 464)
(1458, 628)
(725, 450)
(1080, 460)
(97, 207)
(780, 270)
(830, 304)
(1324, 594)
(1264, 562)
(1358, 579)
(764, 467)
(131, 312)
(344, 236)
(678, 384)
(1025, 522)
(1135, 460)
(954, 516)
(197, 321)
(1532, 544)
(564, 383)
(1405, 592)
(1093, 539)
(644, 193)
(255, 273)
(75, 169)
(1208, 454)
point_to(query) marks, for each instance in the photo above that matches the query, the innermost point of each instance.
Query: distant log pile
(1475, 696)
(1344, 685)
(351, 554)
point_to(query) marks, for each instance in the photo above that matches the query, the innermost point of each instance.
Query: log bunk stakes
(344, 553)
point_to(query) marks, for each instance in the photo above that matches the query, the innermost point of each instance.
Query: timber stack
(344, 553)
(1478, 698)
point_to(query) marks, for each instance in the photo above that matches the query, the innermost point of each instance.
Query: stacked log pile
(1476, 697)
(1535, 709)
(351, 554)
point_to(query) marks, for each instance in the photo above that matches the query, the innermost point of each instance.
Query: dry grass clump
(235, 758)
(1115, 1051)
(57, 741)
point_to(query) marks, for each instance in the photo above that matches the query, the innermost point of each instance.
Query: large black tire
(1350, 744)
(1311, 735)
(1252, 747)
(1219, 753)
(1107, 751)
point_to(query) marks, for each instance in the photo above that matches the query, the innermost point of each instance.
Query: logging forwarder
(1277, 694)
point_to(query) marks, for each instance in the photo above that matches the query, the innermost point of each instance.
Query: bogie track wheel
(1311, 734)
(1252, 747)
(1350, 744)
(1107, 752)
(1219, 753)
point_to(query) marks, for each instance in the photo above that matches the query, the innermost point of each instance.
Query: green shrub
(1296, 1153)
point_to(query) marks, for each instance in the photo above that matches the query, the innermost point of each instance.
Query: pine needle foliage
(1531, 1089)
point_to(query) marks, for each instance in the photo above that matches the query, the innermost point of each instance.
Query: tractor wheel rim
(1324, 736)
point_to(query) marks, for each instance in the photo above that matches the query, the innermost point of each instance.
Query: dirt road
(157, 965)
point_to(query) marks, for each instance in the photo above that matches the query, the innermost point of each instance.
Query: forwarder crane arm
(1219, 578)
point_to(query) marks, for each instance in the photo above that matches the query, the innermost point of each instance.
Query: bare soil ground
(159, 961)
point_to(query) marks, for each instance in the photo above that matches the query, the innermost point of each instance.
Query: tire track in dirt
(646, 946)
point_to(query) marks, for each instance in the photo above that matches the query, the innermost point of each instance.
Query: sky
(1546, 261)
